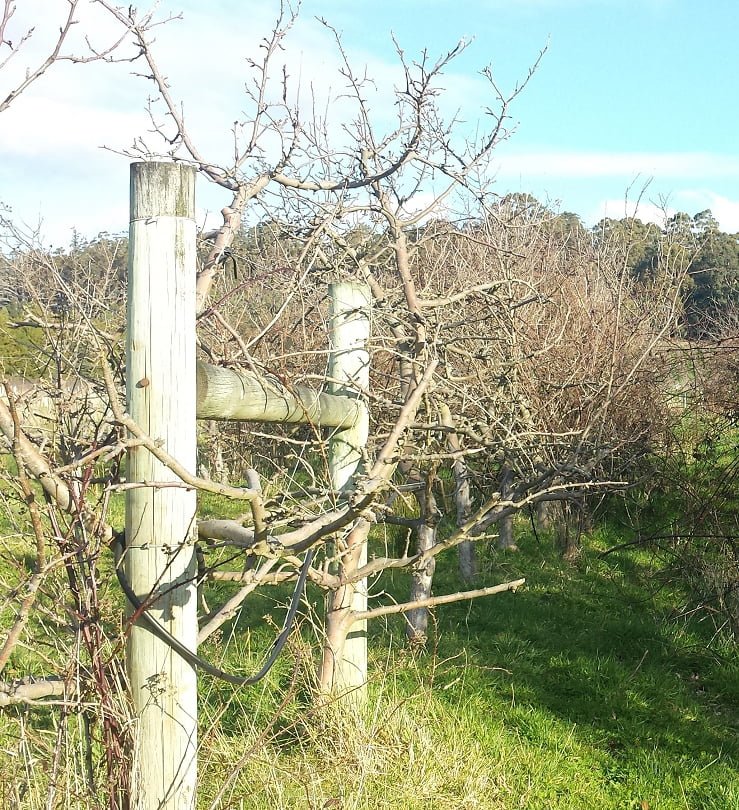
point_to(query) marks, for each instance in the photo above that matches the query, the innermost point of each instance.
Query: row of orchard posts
(161, 379)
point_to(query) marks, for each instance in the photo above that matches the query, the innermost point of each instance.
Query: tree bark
(422, 577)
(543, 515)
(462, 497)
(506, 541)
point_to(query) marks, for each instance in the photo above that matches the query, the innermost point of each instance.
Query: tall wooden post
(344, 666)
(160, 520)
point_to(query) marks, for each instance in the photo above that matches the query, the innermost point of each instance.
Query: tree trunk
(506, 541)
(343, 668)
(543, 515)
(216, 465)
(462, 497)
(422, 576)
(467, 561)
(573, 521)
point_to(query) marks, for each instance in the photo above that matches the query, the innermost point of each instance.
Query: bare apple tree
(311, 187)
(506, 354)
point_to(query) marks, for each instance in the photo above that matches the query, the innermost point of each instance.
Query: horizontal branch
(404, 607)
(32, 692)
(433, 303)
(232, 533)
(319, 578)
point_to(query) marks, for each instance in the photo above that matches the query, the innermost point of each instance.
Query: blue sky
(633, 98)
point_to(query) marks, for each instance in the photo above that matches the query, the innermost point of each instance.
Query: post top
(161, 189)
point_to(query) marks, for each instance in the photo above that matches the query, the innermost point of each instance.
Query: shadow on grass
(575, 692)
(591, 645)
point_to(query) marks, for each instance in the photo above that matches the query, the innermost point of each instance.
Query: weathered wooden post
(160, 520)
(344, 666)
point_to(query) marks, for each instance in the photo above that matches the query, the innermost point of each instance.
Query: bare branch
(404, 607)
(33, 692)
(55, 54)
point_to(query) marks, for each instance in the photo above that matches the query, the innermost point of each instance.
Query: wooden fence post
(344, 666)
(160, 520)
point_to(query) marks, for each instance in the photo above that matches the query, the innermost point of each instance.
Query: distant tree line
(710, 290)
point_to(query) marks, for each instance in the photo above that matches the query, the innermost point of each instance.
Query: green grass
(582, 690)
(576, 692)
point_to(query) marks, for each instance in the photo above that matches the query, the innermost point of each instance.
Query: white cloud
(691, 201)
(41, 125)
(79, 107)
(724, 209)
(618, 209)
(54, 168)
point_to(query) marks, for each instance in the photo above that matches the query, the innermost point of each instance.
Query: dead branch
(41, 566)
(35, 462)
